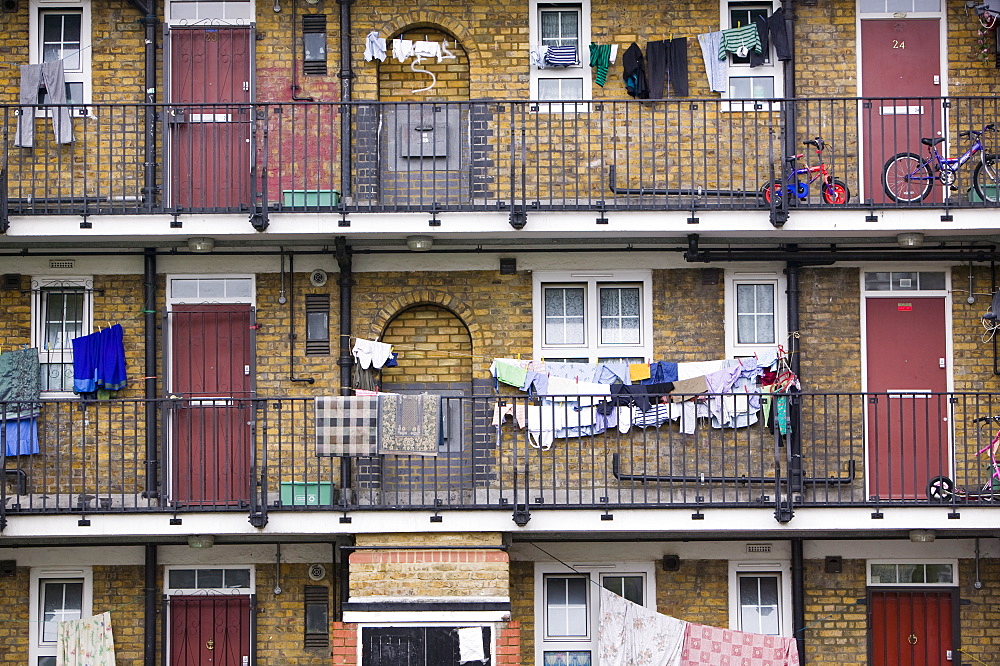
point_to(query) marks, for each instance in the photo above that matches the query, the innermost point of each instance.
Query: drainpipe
(346, 77)
(792, 346)
(149, 365)
(798, 600)
(149, 186)
(346, 361)
(150, 598)
(788, 78)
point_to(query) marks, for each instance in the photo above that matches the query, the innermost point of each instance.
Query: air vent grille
(317, 616)
(62, 263)
(317, 324)
(758, 548)
(314, 44)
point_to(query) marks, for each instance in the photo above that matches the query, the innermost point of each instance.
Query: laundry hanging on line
(99, 361)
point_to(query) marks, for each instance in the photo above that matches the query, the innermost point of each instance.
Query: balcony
(262, 455)
(505, 156)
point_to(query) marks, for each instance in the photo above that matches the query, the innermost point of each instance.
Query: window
(913, 572)
(760, 598)
(561, 24)
(762, 82)
(566, 605)
(62, 309)
(595, 317)
(755, 312)
(226, 12)
(61, 31)
(56, 595)
(905, 281)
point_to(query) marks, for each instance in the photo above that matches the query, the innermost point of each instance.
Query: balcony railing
(490, 156)
(262, 455)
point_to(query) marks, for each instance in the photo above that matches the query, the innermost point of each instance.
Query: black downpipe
(292, 335)
(788, 78)
(799, 599)
(346, 360)
(149, 365)
(150, 597)
(346, 86)
(795, 476)
(149, 186)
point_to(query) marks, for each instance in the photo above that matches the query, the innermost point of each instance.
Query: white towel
(402, 49)
(374, 47)
(424, 49)
(371, 354)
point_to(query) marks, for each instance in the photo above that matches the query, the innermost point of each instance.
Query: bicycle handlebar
(984, 419)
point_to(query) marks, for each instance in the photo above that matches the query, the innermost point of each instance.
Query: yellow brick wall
(836, 625)
(281, 618)
(433, 345)
(14, 627)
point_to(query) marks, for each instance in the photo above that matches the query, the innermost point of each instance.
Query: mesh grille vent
(62, 263)
(758, 548)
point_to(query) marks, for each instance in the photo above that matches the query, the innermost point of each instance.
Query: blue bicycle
(908, 178)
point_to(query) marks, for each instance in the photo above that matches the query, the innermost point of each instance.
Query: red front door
(210, 362)
(911, 628)
(210, 631)
(209, 118)
(908, 436)
(900, 69)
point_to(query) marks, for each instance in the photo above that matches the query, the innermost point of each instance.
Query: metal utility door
(908, 429)
(413, 646)
(911, 628)
(900, 63)
(210, 156)
(210, 631)
(210, 352)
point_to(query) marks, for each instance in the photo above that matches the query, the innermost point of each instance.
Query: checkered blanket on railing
(346, 425)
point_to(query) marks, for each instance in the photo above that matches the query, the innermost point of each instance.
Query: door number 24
(898, 44)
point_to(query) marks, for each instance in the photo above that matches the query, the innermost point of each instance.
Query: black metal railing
(778, 452)
(513, 156)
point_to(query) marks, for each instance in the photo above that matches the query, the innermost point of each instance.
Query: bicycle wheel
(772, 190)
(836, 193)
(986, 178)
(940, 489)
(907, 178)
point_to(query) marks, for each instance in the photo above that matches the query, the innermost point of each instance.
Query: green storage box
(300, 493)
(992, 190)
(307, 198)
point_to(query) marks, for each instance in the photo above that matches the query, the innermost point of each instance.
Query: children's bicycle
(834, 191)
(907, 177)
(943, 489)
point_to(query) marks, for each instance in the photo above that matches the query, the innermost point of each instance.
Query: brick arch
(440, 20)
(434, 297)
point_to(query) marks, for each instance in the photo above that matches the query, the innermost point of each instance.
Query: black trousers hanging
(666, 60)
(656, 67)
(677, 66)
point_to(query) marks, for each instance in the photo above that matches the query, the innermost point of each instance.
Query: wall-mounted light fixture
(419, 243)
(201, 541)
(201, 245)
(922, 536)
(910, 239)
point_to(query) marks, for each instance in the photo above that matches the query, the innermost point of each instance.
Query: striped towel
(346, 425)
(600, 57)
(561, 56)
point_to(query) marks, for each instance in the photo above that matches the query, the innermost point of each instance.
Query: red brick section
(417, 556)
(344, 643)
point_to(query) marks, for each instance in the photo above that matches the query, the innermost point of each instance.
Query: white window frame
(777, 279)
(780, 569)
(594, 573)
(773, 68)
(592, 281)
(36, 647)
(213, 18)
(82, 75)
(209, 591)
(578, 71)
(39, 286)
(951, 562)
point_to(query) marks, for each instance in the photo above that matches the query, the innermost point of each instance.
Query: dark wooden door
(900, 70)
(210, 631)
(908, 439)
(911, 628)
(209, 118)
(211, 347)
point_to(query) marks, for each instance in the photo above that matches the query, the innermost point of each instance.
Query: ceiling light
(921, 536)
(201, 540)
(201, 245)
(419, 243)
(910, 239)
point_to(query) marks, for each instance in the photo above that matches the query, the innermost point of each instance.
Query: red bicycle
(833, 191)
(942, 488)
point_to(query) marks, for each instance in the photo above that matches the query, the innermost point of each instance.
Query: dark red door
(210, 631)
(908, 437)
(210, 360)
(209, 118)
(911, 628)
(900, 70)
